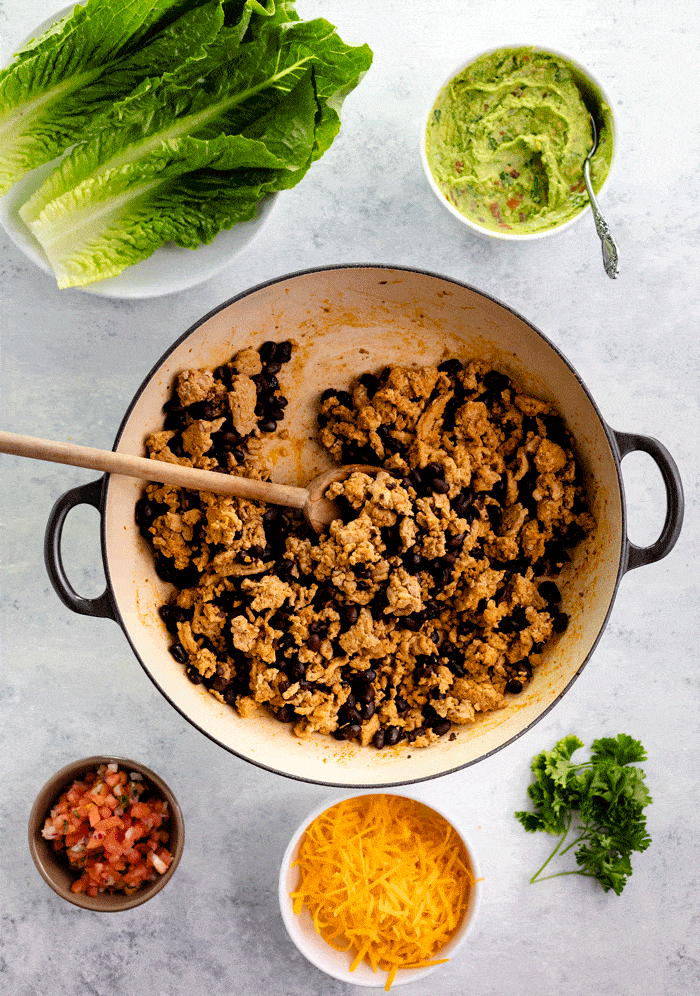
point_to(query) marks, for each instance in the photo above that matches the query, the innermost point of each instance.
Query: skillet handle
(85, 494)
(639, 556)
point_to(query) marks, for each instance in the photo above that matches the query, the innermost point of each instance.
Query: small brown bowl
(57, 874)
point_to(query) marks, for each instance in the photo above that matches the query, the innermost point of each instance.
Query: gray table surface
(71, 686)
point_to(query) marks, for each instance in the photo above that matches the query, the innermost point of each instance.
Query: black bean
(219, 683)
(280, 620)
(366, 694)
(415, 479)
(439, 486)
(227, 440)
(549, 592)
(194, 675)
(499, 490)
(392, 735)
(184, 577)
(441, 727)
(513, 623)
(366, 677)
(412, 561)
(495, 381)
(285, 714)
(268, 351)
(370, 384)
(349, 714)
(203, 410)
(175, 420)
(451, 366)
(554, 427)
(179, 653)
(273, 368)
(432, 609)
(401, 705)
(378, 739)
(295, 670)
(495, 515)
(166, 614)
(561, 622)
(267, 425)
(514, 686)
(230, 695)
(349, 614)
(175, 446)
(313, 642)
(462, 502)
(224, 373)
(283, 353)
(324, 595)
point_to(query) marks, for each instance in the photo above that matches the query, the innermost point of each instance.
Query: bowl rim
(46, 864)
(370, 979)
(582, 71)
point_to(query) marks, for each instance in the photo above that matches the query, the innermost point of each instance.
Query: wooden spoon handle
(146, 469)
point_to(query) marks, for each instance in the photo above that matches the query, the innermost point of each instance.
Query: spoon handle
(610, 256)
(112, 462)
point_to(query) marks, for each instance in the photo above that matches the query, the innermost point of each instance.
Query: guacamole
(506, 141)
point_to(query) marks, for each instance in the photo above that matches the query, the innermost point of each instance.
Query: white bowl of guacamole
(506, 138)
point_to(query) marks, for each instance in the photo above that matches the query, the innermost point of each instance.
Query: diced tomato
(140, 809)
(115, 851)
(513, 202)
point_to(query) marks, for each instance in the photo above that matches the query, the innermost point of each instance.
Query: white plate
(168, 270)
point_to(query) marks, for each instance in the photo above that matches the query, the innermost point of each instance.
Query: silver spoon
(606, 239)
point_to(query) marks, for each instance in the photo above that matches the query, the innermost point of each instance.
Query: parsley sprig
(609, 795)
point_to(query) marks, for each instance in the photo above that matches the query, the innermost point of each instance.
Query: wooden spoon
(318, 510)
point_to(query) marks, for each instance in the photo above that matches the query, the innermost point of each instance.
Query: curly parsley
(609, 796)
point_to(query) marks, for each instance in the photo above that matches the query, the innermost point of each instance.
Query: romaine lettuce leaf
(59, 83)
(256, 116)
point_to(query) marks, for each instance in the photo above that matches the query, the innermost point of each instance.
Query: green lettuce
(193, 151)
(62, 81)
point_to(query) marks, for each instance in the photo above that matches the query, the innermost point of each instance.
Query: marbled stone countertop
(71, 686)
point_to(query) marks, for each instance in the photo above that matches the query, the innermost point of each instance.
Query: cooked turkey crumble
(428, 603)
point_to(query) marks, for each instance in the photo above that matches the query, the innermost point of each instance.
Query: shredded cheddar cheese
(385, 878)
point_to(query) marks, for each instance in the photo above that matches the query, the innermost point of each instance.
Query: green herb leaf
(609, 796)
